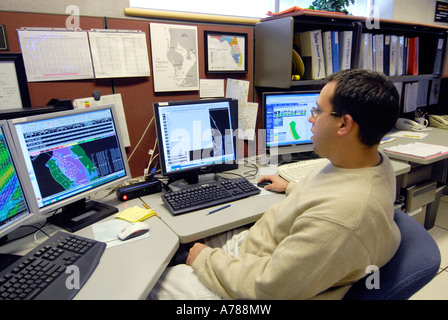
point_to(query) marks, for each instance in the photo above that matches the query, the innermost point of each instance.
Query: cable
(141, 138)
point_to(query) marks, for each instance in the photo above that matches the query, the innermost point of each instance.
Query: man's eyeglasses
(316, 111)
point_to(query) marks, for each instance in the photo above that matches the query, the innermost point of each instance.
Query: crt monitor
(15, 189)
(285, 118)
(69, 156)
(196, 136)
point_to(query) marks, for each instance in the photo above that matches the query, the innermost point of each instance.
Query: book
(345, 49)
(312, 54)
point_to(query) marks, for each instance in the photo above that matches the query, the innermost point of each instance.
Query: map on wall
(226, 52)
(174, 50)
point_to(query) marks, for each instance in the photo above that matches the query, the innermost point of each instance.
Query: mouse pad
(107, 232)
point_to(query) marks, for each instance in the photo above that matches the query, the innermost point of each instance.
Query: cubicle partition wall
(137, 93)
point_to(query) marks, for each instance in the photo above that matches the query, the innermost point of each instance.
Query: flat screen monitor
(285, 118)
(69, 156)
(15, 189)
(196, 136)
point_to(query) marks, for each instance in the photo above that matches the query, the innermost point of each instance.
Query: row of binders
(325, 52)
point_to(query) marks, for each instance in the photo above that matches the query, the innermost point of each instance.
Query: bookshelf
(274, 42)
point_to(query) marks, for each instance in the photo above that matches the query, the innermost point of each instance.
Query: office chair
(415, 264)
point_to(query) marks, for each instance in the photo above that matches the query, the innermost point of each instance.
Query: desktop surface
(125, 272)
(196, 225)
(435, 136)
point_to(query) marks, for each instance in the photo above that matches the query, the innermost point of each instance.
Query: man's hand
(194, 252)
(278, 184)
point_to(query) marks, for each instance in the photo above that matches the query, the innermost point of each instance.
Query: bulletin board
(137, 93)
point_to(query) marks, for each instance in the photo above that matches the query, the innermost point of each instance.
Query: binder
(366, 52)
(413, 56)
(405, 55)
(437, 70)
(345, 53)
(328, 52)
(378, 41)
(335, 50)
(386, 55)
(312, 54)
(393, 55)
(400, 56)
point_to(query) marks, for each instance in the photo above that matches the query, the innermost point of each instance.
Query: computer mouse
(263, 183)
(133, 230)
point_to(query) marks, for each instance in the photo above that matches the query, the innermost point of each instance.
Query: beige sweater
(315, 243)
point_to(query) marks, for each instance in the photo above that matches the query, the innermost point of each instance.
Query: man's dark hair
(370, 98)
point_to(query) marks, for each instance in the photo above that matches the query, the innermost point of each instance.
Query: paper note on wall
(119, 53)
(114, 99)
(55, 55)
(247, 111)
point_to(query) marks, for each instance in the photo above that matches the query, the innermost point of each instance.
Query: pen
(219, 209)
(409, 136)
(146, 206)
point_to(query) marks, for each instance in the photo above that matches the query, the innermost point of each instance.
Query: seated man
(333, 225)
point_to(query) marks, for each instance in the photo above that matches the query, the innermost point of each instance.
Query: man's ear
(346, 124)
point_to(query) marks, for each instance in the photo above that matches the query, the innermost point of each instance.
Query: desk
(197, 225)
(438, 164)
(435, 136)
(128, 271)
(422, 186)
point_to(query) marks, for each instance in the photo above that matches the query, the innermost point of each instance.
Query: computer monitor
(285, 120)
(196, 136)
(69, 156)
(15, 189)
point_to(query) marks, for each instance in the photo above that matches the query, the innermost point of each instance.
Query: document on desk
(418, 149)
(52, 55)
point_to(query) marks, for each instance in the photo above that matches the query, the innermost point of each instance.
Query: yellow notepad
(135, 214)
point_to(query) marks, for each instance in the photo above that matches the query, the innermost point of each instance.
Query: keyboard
(42, 273)
(208, 195)
(296, 171)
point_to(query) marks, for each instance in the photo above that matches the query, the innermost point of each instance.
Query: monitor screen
(70, 155)
(196, 135)
(15, 191)
(286, 122)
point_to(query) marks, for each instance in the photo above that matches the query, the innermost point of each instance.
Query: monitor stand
(186, 182)
(81, 214)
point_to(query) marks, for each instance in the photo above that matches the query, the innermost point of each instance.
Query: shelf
(274, 43)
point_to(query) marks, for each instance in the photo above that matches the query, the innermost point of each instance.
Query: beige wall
(419, 11)
(96, 8)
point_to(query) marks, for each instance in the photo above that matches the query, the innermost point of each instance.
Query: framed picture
(14, 86)
(225, 52)
(3, 39)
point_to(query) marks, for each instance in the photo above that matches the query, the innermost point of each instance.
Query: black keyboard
(55, 270)
(208, 195)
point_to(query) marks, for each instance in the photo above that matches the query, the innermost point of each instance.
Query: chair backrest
(415, 263)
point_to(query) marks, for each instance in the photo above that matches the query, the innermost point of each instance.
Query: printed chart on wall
(174, 51)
